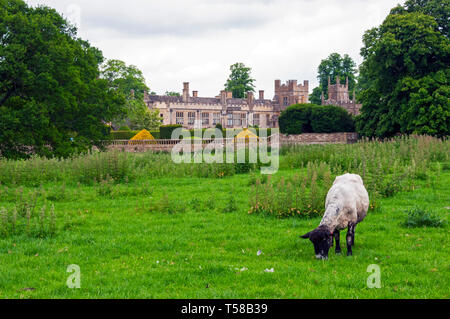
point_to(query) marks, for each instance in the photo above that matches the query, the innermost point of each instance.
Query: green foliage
(420, 217)
(329, 119)
(130, 83)
(405, 76)
(52, 100)
(310, 118)
(296, 119)
(240, 81)
(296, 197)
(166, 131)
(40, 223)
(316, 96)
(124, 128)
(331, 67)
(172, 93)
(123, 135)
(438, 9)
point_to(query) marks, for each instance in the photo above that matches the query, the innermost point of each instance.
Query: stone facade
(192, 111)
(338, 95)
(291, 93)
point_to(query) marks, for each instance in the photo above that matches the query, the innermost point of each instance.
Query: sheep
(346, 206)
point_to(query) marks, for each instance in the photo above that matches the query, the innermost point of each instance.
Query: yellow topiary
(143, 135)
(247, 135)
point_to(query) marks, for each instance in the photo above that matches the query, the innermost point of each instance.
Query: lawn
(199, 241)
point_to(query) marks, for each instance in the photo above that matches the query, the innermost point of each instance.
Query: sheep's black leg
(353, 235)
(337, 239)
(350, 234)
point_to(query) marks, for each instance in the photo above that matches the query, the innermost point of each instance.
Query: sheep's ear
(305, 236)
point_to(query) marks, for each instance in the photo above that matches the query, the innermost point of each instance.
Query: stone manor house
(191, 110)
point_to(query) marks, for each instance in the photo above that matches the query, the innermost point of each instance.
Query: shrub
(167, 130)
(310, 118)
(298, 196)
(123, 135)
(124, 128)
(296, 119)
(419, 217)
(330, 119)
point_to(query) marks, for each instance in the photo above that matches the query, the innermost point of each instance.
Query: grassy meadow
(140, 226)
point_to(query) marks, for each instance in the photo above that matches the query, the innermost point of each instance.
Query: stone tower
(291, 93)
(338, 95)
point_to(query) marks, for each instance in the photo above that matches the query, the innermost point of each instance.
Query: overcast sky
(196, 41)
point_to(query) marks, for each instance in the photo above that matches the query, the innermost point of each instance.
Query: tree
(438, 9)
(316, 96)
(170, 93)
(333, 66)
(405, 87)
(52, 101)
(129, 81)
(240, 81)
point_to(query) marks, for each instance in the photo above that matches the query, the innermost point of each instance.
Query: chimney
(346, 82)
(261, 95)
(306, 84)
(277, 84)
(250, 98)
(329, 80)
(185, 91)
(223, 97)
(338, 80)
(229, 95)
(194, 93)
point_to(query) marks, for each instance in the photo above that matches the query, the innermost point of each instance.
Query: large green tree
(240, 81)
(52, 101)
(333, 66)
(405, 75)
(129, 81)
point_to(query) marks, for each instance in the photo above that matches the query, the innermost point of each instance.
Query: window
(256, 119)
(244, 119)
(268, 121)
(216, 118)
(237, 119)
(191, 118)
(286, 101)
(180, 118)
(205, 119)
(230, 120)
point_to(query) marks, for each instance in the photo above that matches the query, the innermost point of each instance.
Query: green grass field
(127, 247)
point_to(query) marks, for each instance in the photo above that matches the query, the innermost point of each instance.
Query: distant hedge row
(311, 118)
(166, 133)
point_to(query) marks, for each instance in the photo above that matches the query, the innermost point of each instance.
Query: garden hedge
(311, 118)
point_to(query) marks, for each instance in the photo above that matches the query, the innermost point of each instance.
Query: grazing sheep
(346, 205)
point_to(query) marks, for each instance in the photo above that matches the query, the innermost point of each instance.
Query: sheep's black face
(322, 240)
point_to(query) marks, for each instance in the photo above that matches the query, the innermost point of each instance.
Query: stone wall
(167, 145)
(319, 138)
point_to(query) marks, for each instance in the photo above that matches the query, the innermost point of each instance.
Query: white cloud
(197, 40)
